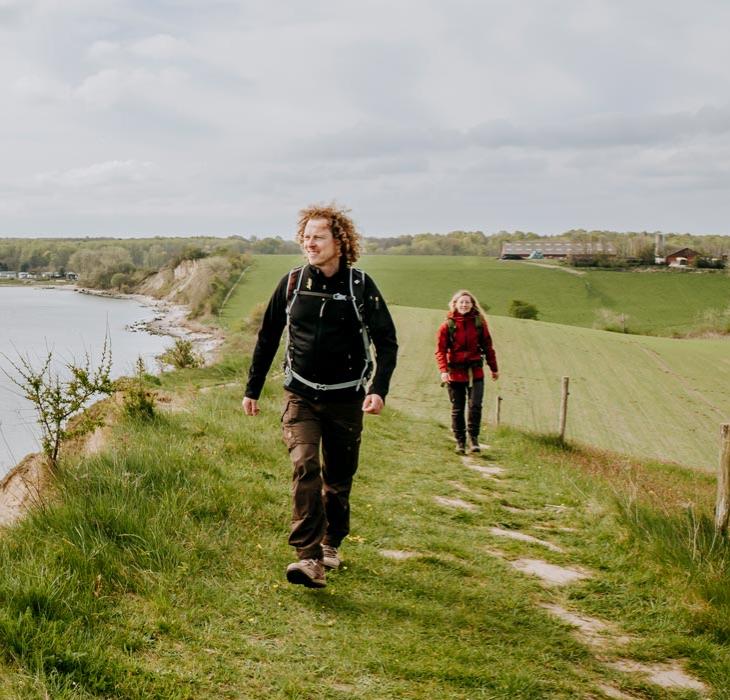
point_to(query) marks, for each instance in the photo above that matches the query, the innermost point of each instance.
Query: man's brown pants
(321, 491)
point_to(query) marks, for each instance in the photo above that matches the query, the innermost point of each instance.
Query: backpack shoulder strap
(294, 282)
(481, 326)
(357, 289)
(451, 329)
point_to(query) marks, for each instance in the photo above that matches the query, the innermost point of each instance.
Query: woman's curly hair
(342, 227)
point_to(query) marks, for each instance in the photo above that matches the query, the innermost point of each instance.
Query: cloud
(38, 88)
(115, 172)
(419, 115)
(159, 47)
(102, 50)
(111, 86)
(607, 130)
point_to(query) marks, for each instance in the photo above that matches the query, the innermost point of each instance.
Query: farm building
(682, 258)
(553, 249)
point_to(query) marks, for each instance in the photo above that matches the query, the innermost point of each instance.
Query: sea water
(35, 321)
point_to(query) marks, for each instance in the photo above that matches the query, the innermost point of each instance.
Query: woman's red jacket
(469, 345)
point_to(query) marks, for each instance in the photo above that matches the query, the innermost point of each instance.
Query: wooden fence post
(497, 410)
(722, 505)
(563, 408)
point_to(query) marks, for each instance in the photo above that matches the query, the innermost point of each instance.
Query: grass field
(647, 396)
(154, 570)
(659, 303)
(639, 395)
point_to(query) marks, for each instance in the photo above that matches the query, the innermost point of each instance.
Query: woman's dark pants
(459, 394)
(321, 489)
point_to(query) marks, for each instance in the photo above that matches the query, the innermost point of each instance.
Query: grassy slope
(661, 302)
(648, 396)
(157, 570)
(653, 397)
(256, 286)
(657, 303)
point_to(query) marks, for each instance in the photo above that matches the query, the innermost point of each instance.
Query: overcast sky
(154, 117)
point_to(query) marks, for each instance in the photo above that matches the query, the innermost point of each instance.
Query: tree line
(121, 263)
(106, 263)
(637, 245)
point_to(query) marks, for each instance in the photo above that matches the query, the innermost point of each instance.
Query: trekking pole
(497, 409)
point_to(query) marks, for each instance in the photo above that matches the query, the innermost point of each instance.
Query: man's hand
(373, 404)
(495, 376)
(250, 407)
(444, 377)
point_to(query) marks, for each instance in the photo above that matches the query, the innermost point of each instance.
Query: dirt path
(569, 270)
(605, 640)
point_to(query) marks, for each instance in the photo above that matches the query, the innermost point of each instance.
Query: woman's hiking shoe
(330, 559)
(460, 448)
(307, 572)
(474, 444)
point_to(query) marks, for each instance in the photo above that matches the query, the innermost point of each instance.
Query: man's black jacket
(325, 344)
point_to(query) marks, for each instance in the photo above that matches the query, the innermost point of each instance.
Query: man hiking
(332, 313)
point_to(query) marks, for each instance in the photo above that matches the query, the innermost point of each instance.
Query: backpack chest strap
(323, 295)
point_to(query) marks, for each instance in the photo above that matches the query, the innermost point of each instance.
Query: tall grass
(115, 524)
(686, 540)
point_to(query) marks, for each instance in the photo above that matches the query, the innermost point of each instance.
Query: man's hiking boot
(330, 559)
(307, 572)
(460, 447)
(474, 444)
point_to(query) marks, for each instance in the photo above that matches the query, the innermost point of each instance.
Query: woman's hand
(445, 377)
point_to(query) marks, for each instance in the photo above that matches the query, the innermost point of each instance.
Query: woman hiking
(463, 343)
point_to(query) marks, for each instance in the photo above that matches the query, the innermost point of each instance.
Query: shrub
(608, 320)
(522, 309)
(711, 263)
(138, 401)
(713, 322)
(56, 399)
(182, 355)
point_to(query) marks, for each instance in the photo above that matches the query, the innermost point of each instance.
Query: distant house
(8, 275)
(71, 276)
(682, 258)
(553, 249)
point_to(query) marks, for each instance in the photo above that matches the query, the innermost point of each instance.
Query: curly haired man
(334, 314)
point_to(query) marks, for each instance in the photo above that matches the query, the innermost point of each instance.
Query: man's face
(319, 244)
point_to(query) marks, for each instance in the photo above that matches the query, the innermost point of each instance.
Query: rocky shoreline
(171, 320)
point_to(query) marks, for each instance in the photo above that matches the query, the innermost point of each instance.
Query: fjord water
(34, 321)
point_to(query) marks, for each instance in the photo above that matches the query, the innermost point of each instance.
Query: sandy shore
(21, 487)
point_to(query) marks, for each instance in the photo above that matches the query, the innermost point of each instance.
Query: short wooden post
(722, 505)
(497, 410)
(563, 408)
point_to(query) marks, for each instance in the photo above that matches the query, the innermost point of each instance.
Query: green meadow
(661, 302)
(647, 396)
(154, 567)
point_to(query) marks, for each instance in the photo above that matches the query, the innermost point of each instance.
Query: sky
(154, 117)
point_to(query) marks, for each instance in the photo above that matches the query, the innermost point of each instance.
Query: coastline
(23, 483)
(171, 319)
